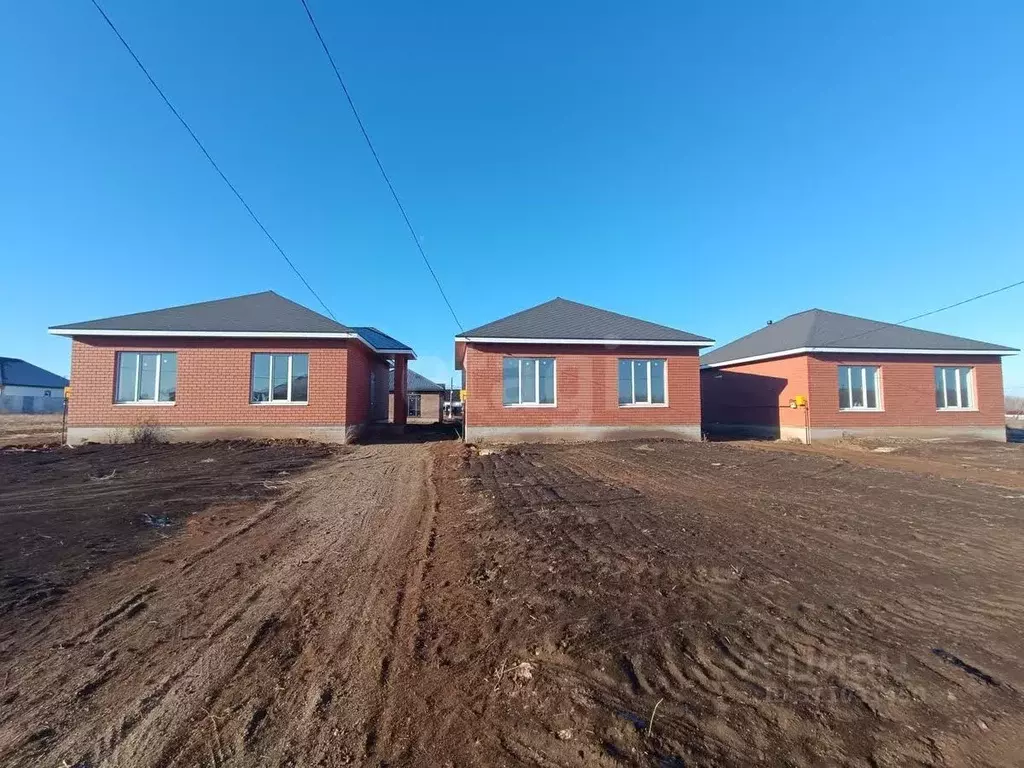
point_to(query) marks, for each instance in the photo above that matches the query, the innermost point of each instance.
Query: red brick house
(425, 398)
(568, 371)
(820, 375)
(251, 366)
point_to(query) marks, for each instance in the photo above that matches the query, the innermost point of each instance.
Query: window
(146, 377)
(641, 382)
(414, 403)
(953, 388)
(528, 381)
(858, 388)
(280, 378)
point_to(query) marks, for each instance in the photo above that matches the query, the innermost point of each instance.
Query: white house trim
(230, 335)
(602, 342)
(857, 351)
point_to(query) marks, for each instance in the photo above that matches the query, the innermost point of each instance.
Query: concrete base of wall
(579, 433)
(326, 434)
(832, 434)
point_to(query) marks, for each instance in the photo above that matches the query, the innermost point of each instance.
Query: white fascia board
(602, 342)
(857, 351)
(232, 335)
(207, 334)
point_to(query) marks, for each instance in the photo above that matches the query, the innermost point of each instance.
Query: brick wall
(586, 386)
(430, 408)
(213, 385)
(908, 392)
(755, 393)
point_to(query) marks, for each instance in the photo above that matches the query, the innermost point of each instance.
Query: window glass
(126, 376)
(657, 381)
(965, 391)
(940, 396)
(168, 377)
(951, 401)
(528, 385)
(300, 378)
(546, 372)
(872, 395)
(279, 377)
(414, 404)
(844, 386)
(858, 387)
(147, 376)
(260, 378)
(510, 380)
(625, 382)
(640, 381)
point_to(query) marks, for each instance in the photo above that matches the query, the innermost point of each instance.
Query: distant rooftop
(15, 372)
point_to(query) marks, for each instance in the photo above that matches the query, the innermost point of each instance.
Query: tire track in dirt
(244, 639)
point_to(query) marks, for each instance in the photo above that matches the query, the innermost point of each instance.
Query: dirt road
(641, 604)
(261, 636)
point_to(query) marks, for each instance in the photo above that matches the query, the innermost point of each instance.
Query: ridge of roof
(249, 314)
(563, 320)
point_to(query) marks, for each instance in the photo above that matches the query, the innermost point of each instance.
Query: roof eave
(602, 342)
(857, 350)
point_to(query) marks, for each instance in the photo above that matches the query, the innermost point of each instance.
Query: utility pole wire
(926, 314)
(380, 165)
(213, 162)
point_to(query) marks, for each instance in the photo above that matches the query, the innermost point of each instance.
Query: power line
(380, 165)
(213, 162)
(927, 314)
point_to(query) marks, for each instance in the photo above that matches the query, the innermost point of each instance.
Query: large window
(528, 381)
(641, 382)
(414, 404)
(953, 389)
(146, 377)
(858, 388)
(280, 378)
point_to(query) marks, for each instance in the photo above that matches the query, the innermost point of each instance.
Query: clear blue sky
(704, 165)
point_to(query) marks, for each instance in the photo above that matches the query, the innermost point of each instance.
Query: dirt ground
(30, 429)
(645, 604)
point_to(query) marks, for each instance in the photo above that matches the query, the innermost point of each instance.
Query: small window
(858, 388)
(414, 404)
(641, 382)
(528, 381)
(954, 389)
(146, 377)
(280, 378)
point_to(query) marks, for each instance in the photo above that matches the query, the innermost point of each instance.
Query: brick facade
(214, 381)
(755, 397)
(586, 390)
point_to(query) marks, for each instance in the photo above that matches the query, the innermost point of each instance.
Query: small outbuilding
(425, 398)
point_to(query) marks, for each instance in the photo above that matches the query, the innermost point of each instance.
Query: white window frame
(536, 382)
(270, 381)
(138, 371)
(632, 372)
(408, 405)
(879, 406)
(971, 394)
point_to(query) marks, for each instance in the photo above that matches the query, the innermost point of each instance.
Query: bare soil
(30, 429)
(646, 604)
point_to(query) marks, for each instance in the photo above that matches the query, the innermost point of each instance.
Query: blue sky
(708, 166)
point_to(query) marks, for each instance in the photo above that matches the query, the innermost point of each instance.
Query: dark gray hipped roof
(265, 312)
(564, 319)
(414, 382)
(818, 329)
(380, 341)
(18, 373)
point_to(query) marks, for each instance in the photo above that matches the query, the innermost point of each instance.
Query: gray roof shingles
(564, 319)
(414, 382)
(17, 373)
(379, 340)
(817, 328)
(265, 312)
